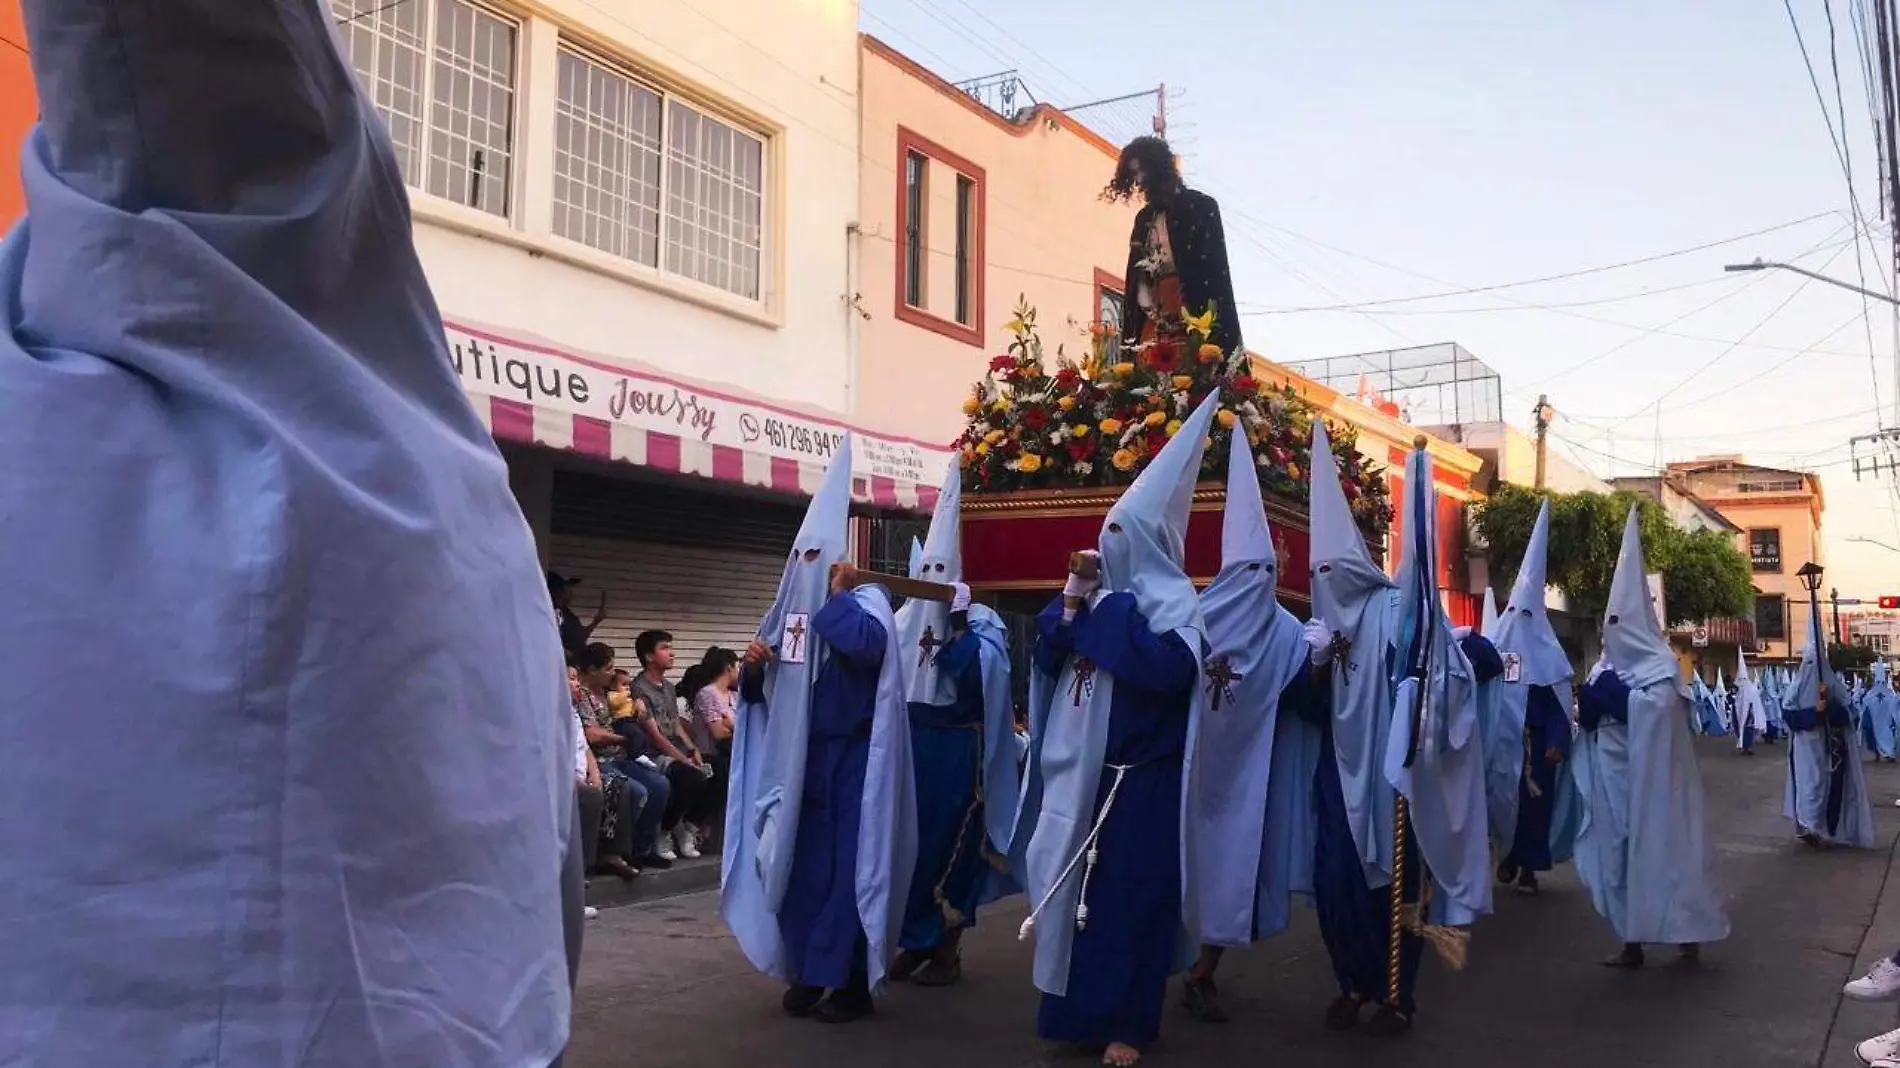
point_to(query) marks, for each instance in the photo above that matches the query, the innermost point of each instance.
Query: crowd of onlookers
(650, 769)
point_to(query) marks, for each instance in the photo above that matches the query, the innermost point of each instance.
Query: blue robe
(824, 938)
(1119, 962)
(1642, 850)
(1880, 708)
(315, 808)
(1547, 812)
(947, 747)
(1355, 918)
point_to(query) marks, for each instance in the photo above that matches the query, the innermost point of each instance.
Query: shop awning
(531, 392)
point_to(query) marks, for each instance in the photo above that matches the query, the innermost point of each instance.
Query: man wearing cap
(574, 634)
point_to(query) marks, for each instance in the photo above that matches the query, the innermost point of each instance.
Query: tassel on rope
(1088, 852)
(953, 917)
(1452, 944)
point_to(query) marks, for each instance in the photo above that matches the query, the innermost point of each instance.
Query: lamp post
(1810, 575)
(1769, 265)
(1834, 608)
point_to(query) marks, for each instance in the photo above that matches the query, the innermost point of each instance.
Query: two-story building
(1778, 516)
(640, 223)
(19, 108)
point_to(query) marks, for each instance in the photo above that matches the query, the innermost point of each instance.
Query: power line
(371, 13)
(1270, 310)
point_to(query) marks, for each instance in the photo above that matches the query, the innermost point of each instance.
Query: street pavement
(662, 984)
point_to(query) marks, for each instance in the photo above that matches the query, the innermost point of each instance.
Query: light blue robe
(285, 749)
(1826, 792)
(1880, 706)
(1643, 849)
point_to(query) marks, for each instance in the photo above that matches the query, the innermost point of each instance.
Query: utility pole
(1161, 111)
(1834, 601)
(1540, 418)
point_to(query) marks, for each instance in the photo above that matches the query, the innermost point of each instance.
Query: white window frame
(380, 12)
(763, 272)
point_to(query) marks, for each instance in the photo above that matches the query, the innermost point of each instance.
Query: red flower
(1157, 437)
(1081, 449)
(1002, 363)
(1245, 384)
(1067, 376)
(1035, 419)
(1163, 355)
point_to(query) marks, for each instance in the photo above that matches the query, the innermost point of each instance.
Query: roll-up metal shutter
(704, 566)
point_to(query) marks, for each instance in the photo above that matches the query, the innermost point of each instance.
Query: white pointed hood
(823, 539)
(1632, 639)
(1741, 668)
(1344, 575)
(915, 568)
(1144, 539)
(924, 625)
(1488, 621)
(1525, 631)
(1245, 536)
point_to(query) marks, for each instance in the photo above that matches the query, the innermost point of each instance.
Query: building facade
(1777, 515)
(19, 108)
(638, 220)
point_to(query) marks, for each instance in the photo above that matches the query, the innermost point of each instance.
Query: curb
(684, 877)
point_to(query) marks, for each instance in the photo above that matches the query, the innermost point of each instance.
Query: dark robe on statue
(1546, 727)
(824, 938)
(1355, 920)
(947, 746)
(1120, 962)
(1199, 244)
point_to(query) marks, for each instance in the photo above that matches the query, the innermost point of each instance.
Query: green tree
(1704, 575)
(1850, 657)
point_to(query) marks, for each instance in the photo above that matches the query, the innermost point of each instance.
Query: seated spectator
(712, 691)
(625, 753)
(657, 708)
(605, 803)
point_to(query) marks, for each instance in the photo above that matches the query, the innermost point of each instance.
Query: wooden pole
(1396, 935)
(916, 589)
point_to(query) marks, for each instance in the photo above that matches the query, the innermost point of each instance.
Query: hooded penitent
(1750, 717)
(1354, 599)
(1642, 850)
(1142, 546)
(1881, 709)
(1536, 672)
(243, 479)
(1434, 755)
(1826, 795)
(1251, 844)
(770, 746)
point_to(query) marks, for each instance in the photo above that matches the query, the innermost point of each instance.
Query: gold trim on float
(1067, 503)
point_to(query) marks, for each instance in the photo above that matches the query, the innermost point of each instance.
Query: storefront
(675, 498)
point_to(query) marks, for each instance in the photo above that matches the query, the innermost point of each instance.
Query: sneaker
(589, 912)
(684, 836)
(665, 848)
(1880, 1051)
(1881, 983)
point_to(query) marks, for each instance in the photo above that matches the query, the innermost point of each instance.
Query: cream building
(639, 220)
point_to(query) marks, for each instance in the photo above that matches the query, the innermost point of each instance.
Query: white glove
(960, 599)
(1460, 633)
(1079, 587)
(1319, 641)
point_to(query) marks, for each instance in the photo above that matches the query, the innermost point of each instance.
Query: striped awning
(529, 392)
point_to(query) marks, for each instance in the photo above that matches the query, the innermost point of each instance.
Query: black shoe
(1631, 958)
(1201, 998)
(940, 972)
(844, 1006)
(1343, 1013)
(1507, 872)
(653, 862)
(800, 1000)
(1527, 883)
(1689, 953)
(1388, 1023)
(905, 965)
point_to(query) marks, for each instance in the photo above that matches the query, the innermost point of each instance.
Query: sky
(1395, 148)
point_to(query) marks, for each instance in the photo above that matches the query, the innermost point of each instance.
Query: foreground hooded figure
(244, 474)
(1642, 850)
(1751, 717)
(1367, 635)
(1826, 796)
(821, 813)
(1114, 703)
(1252, 792)
(1537, 828)
(956, 661)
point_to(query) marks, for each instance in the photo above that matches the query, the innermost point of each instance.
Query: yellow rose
(1174, 427)
(1065, 403)
(982, 448)
(993, 436)
(971, 405)
(1080, 430)
(1293, 470)
(1030, 463)
(1210, 353)
(1156, 418)
(1226, 419)
(1124, 460)
(1181, 381)
(1111, 426)
(1123, 369)
(1000, 404)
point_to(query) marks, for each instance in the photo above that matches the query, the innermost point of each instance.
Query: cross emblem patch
(793, 643)
(1084, 680)
(927, 647)
(1221, 678)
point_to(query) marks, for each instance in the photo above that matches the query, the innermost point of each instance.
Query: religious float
(1045, 453)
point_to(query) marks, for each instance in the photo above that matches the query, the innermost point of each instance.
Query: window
(1764, 550)
(1108, 302)
(653, 179)
(940, 220)
(1770, 617)
(442, 75)
(1781, 485)
(966, 233)
(916, 171)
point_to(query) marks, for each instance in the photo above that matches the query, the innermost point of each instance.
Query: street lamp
(1873, 541)
(1769, 265)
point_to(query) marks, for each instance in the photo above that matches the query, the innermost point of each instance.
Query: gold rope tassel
(1396, 933)
(1452, 944)
(953, 918)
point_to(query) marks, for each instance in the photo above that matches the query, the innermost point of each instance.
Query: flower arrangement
(1097, 422)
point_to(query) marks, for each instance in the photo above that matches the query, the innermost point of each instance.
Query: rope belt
(1089, 851)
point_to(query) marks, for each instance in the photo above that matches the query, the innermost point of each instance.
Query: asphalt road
(662, 984)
